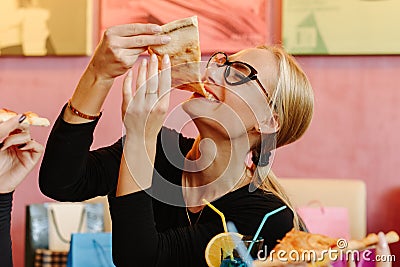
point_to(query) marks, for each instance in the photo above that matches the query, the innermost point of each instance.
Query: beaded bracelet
(82, 115)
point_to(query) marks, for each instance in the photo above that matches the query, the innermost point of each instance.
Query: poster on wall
(45, 27)
(341, 27)
(225, 25)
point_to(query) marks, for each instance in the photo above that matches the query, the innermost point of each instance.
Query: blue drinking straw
(260, 228)
(241, 248)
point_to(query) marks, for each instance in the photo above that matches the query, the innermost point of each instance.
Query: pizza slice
(298, 247)
(298, 242)
(31, 118)
(184, 52)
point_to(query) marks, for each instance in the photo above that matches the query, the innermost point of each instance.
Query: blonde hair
(292, 102)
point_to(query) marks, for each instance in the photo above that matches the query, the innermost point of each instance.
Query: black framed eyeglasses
(236, 72)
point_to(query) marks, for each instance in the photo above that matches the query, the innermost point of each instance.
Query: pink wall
(354, 133)
(355, 129)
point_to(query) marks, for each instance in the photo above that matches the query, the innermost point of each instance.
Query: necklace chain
(198, 218)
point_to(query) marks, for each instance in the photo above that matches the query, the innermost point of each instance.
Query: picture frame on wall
(224, 25)
(341, 27)
(46, 27)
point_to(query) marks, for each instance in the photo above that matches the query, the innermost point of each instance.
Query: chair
(347, 193)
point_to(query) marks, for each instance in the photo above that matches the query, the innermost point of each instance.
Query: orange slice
(220, 247)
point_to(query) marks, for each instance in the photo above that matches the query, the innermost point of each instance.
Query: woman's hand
(144, 113)
(118, 50)
(18, 154)
(121, 45)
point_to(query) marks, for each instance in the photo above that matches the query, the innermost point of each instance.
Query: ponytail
(268, 182)
(292, 103)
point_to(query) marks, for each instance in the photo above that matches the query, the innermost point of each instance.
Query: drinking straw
(241, 248)
(218, 212)
(261, 226)
(222, 218)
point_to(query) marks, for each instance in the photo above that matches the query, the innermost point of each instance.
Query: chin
(186, 105)
(197, 107)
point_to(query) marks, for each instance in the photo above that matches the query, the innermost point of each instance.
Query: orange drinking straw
(219, 213)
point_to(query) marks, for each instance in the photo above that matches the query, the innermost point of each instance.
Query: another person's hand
(121, 46)
(144, 113)
(18, 153)
(382, 252)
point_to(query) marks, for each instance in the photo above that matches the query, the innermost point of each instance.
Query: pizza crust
(371, 240)
(184, 52)
(31, 118)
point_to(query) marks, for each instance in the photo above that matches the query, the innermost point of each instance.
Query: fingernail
(22, 118)
(144, 62)
(165, 39)
(153, 57)
(156, 28)
(166, 59)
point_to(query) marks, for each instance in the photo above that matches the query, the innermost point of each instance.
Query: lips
(210, 94)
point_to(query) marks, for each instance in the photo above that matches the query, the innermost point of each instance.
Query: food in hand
(184, 52)
(31, 118)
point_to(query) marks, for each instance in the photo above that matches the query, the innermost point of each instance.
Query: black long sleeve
(151, 228)
(137, 241)
(70, 171)
(5, 223)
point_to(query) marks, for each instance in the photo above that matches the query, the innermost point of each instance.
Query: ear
(269, 126)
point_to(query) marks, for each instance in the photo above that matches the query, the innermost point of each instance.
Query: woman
(18, 155)
(261, 98)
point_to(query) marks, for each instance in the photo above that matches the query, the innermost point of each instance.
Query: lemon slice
(220, 247)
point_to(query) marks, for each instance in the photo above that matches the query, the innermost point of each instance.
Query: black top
(5, 238)
(147, 231)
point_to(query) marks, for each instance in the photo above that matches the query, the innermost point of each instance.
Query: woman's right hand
(121, 46)
(116, 53)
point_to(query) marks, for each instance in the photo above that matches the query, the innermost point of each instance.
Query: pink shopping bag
(329, 221)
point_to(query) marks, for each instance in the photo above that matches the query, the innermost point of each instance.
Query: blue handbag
(90, 250)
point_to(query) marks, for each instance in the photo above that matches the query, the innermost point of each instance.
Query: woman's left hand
(145, 112)
(18, 154)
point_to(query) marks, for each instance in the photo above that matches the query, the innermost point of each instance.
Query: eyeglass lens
(235, 71)
(219, 59)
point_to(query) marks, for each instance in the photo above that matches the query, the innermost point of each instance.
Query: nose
(214, 74)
